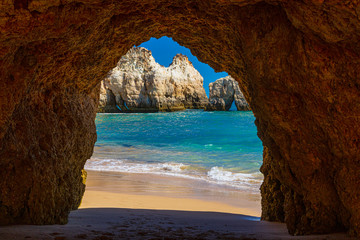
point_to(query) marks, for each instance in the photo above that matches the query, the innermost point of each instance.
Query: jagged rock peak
(139, 84)
(181, 59)
(137, 58)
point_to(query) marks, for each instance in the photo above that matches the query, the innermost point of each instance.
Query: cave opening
(194, 153)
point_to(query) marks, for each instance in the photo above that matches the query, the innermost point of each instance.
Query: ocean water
(216, 147)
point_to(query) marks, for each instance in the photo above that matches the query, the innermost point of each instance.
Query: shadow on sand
(119, 223)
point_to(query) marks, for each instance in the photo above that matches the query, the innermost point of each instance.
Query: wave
(215, 175)
(221, 175)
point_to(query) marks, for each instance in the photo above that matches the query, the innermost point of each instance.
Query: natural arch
(297, 63)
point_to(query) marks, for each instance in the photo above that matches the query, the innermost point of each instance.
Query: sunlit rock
(223, 92)
(139, 84)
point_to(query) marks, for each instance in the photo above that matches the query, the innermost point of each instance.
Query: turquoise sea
(217, 147)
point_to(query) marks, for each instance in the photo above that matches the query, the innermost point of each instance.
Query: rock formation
(297, 63)
(139, 84)
(223, 92)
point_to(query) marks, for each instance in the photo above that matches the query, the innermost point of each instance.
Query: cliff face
(223, 92)
(297, 63)
(139, 84)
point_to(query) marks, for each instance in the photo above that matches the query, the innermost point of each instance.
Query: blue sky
(164, 49)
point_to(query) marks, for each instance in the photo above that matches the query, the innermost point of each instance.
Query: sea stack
(223, 92)
(139, 84)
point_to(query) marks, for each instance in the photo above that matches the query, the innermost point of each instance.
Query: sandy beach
(144, 206)
(150, 191)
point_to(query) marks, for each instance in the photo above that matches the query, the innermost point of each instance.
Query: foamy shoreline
(249, 182)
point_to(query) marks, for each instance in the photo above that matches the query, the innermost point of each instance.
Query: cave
(297, 63)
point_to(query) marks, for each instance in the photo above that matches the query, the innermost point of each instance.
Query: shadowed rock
(297, 63)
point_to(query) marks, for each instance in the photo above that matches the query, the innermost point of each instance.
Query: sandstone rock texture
(297, 63)
(139, 84)
(223, 92)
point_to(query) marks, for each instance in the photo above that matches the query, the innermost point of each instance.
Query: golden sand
(146, 191)
(101, 199)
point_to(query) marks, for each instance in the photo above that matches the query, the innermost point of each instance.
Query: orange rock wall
(297, 62)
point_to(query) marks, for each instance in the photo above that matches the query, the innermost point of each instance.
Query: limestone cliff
(223, 92)
(139, 84)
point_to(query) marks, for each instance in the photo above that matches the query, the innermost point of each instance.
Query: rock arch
(297, 63)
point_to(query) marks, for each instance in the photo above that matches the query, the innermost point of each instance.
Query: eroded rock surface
(297, 63)
(223, 92)
(139, 84)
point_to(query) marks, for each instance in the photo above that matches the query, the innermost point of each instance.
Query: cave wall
(297, 63)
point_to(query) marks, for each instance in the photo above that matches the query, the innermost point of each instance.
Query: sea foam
(215, 175)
